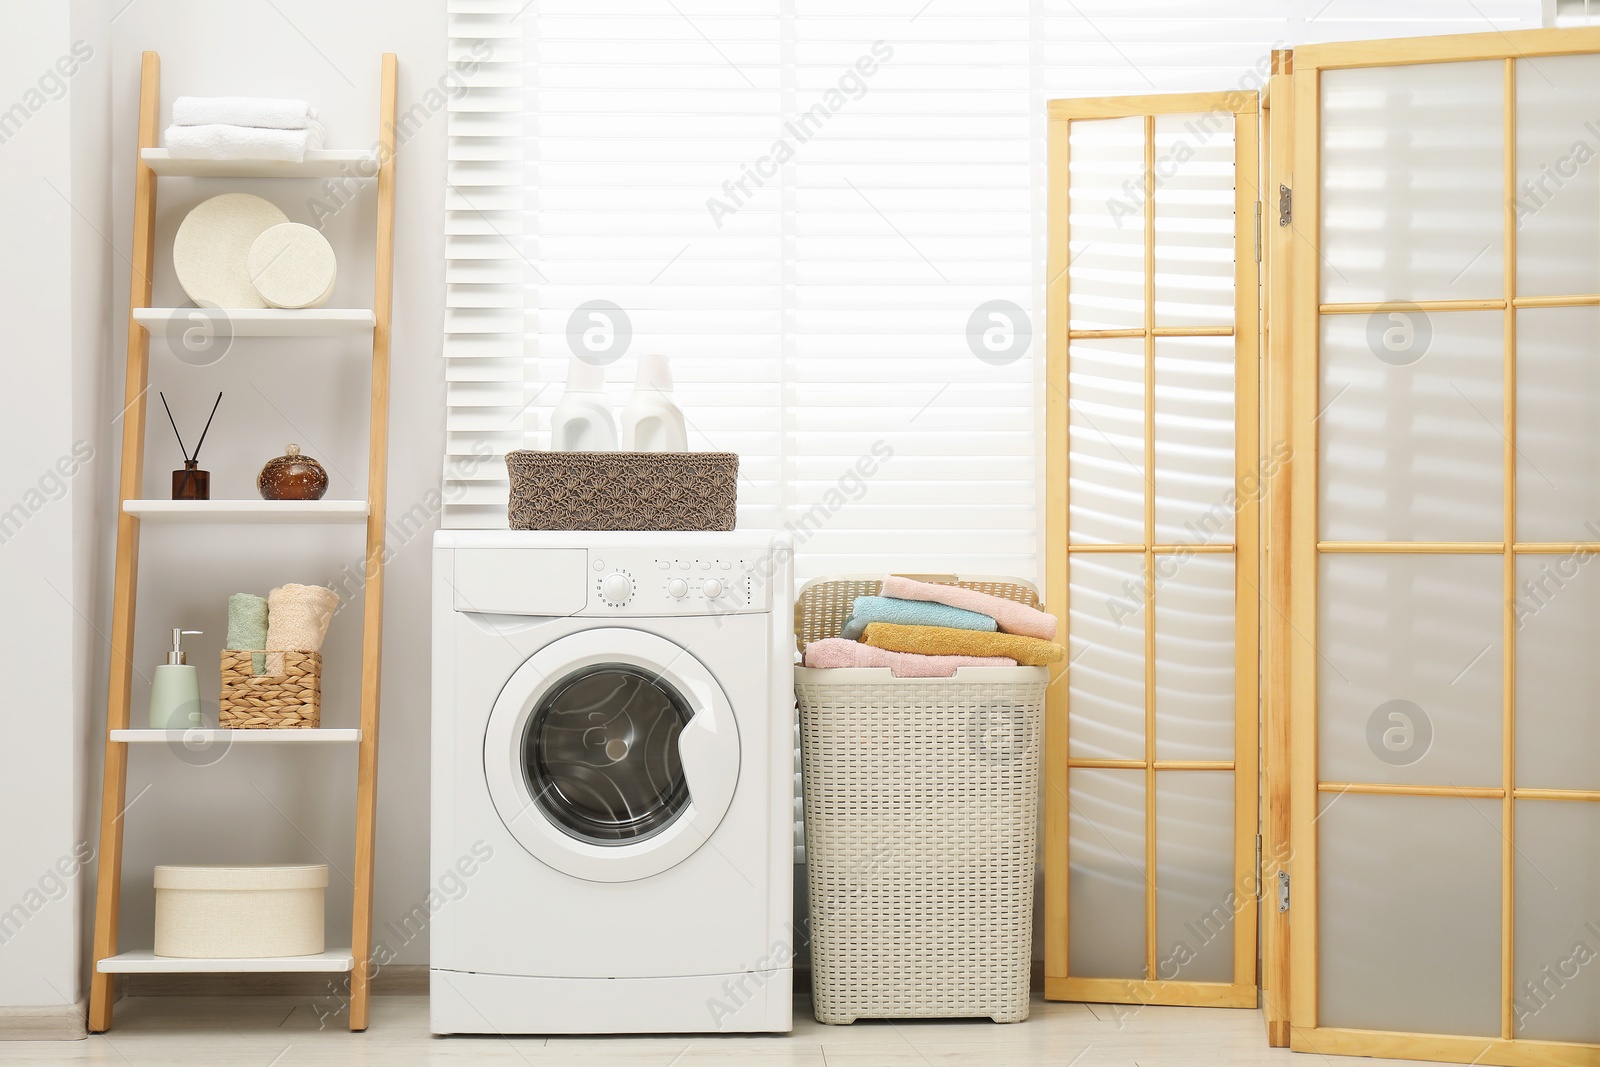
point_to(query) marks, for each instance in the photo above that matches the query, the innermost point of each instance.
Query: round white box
(212, 247)
(292, 266)
(239, 912)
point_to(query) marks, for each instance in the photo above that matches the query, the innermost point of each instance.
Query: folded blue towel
(870, 609)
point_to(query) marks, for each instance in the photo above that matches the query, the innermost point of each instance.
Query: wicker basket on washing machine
(921, 801)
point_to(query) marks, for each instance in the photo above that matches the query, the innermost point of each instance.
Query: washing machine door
(612, 754)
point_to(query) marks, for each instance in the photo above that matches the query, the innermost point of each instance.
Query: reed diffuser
(190, 483)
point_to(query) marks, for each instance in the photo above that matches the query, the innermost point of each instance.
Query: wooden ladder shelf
(132, 510)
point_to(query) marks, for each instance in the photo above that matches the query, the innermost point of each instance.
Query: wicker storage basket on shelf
(921, 802)
(288, 697)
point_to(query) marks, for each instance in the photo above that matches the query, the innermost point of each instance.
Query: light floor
(283, 1032)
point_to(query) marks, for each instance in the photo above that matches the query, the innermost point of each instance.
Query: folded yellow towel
(945, 641)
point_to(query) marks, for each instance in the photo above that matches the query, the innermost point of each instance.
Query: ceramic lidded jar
(292, 476)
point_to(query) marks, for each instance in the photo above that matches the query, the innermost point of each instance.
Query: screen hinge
(1285, 205)
(1258, 231)
(1283, 890)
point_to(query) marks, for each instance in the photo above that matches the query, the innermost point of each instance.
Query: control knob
(616, 589)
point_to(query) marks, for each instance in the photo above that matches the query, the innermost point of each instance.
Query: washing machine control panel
(640, 582)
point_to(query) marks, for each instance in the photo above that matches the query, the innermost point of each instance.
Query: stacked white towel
(243, 111)
(242, 127)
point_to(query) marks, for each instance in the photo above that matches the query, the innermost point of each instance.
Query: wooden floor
(283, 1032)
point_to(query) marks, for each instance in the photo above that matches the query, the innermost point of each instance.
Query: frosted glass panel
(1105, 282)
(1410, 437)
(1194, 658)
(1105, 906)
(1413, 182)
(1409, 908)
(1558, 672)
(1105, 431)
(1194, 219)
(1105, 683)
(1558, 921)
(1197, 903)
(1409, 677)
(1194, 440)
(1558, 183)
(1558, 423)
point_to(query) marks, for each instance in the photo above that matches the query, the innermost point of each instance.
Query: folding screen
(1446, 480)
(1152, 550)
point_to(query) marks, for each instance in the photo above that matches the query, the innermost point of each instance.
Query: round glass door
(611, 754)
(601, 754)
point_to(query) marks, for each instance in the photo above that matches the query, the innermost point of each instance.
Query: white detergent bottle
(582, 421)
(651, 422)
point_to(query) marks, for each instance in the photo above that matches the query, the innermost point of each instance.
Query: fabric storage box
(921, 802)
(239, 912)
(622, 490)
(286, 696)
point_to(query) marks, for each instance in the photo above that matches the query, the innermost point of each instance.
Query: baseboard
(395, 980)
(48, 1022)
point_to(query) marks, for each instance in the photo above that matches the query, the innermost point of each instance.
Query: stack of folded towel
(924, 630)
(242, 127)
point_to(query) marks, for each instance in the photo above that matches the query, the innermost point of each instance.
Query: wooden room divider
(1398, 521)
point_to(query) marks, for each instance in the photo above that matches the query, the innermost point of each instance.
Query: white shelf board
(264, 322)
(143, 961)
(319, 163)
(237, 737)
(201, 512)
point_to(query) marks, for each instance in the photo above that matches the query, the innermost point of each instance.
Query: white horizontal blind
(829, 214)
(640, 112)
(912, 218)
(486, 269)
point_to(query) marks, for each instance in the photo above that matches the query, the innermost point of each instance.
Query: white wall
(277, 805)
(53, 299)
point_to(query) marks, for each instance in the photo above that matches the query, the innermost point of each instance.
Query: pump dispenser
(175, 689)
(582, 421)
(651, 422)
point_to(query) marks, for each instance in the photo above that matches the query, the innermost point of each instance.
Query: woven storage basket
(921, 799)
(622, 490)
(288, 698)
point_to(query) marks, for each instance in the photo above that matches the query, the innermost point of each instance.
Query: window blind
(829, 215)
(486, 265)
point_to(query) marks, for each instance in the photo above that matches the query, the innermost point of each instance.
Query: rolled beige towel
(297, 620)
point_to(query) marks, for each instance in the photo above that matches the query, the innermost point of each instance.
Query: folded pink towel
(840, 652)
(1013, 617)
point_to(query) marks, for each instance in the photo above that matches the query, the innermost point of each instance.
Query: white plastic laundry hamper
(921, 801)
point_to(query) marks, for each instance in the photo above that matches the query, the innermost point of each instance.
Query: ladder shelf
(133, 510)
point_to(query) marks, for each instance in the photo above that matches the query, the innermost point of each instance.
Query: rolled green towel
(247, 626)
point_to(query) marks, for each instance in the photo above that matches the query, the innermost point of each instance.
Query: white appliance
(613, 787)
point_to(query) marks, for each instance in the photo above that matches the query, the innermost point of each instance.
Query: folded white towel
(242, 111)
(242, 142)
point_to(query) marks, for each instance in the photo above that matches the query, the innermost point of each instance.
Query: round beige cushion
(212, 249)
(292, 266)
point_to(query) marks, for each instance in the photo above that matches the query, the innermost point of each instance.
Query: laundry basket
(921, 800)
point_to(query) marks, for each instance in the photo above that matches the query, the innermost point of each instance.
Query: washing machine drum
(612, 754)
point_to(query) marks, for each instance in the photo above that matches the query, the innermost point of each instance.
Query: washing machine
(613, 793)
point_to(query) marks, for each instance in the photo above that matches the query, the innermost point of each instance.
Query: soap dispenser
(175, 689)
(582, 421)
(651, 422)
